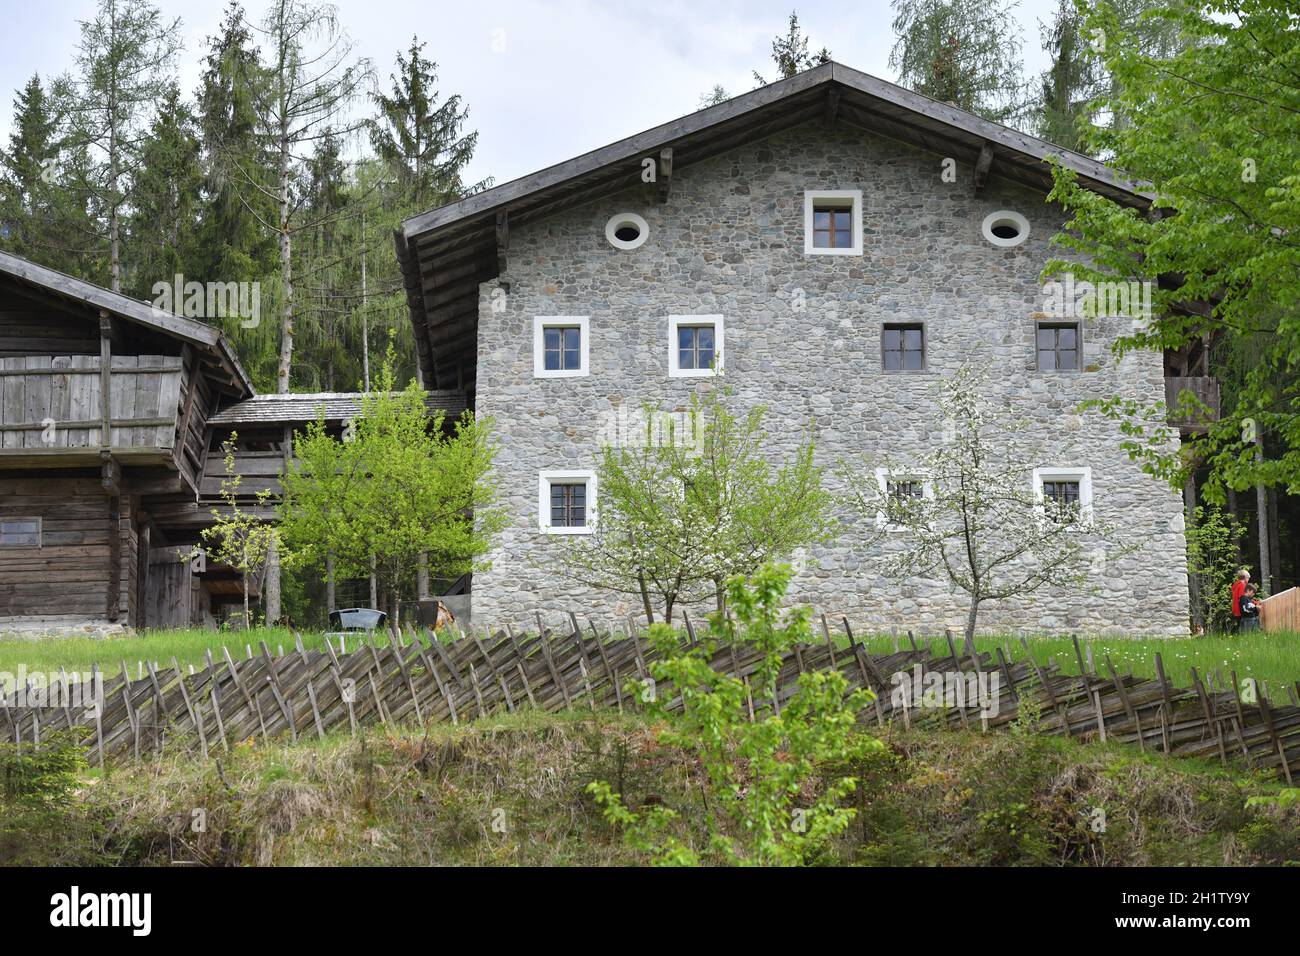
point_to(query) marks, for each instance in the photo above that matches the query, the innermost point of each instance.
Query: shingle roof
(302, 407)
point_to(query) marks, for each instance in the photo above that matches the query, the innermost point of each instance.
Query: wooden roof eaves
(124, 307)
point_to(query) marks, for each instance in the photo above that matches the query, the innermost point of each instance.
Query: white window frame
(565, 476)
(675, 322)
(883, 476)
(849, 197)
(543, 322)
(1082, 474)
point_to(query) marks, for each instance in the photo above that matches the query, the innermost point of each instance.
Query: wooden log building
(102, 501)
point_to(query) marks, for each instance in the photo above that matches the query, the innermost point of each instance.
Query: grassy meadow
(1274, 658)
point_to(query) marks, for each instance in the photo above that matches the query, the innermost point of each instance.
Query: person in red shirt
(1238, 589)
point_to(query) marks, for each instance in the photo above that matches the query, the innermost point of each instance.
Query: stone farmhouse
(834, 246)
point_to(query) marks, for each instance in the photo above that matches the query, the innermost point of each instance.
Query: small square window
(1058, 346)
(903, 347)
(833, 222)
(566, 502)
(20, 532)
(1064, 494)
(899, 491)
(694, 345)
(560, 346)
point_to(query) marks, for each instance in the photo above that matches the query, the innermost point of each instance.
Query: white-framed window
(566, 501)
(1005, 228)
(900, 484)
(1062, 492)
(694, 345)
(832, 222)
(561, 346)
(20, 532)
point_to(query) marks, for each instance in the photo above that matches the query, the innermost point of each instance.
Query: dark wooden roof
(446, 253)
(300, 408)
(210, 344)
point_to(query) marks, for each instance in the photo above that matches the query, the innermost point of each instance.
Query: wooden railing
(1206, 391)
(1281, 612)
(52, 402)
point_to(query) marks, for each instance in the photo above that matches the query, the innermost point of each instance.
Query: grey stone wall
(802, 335)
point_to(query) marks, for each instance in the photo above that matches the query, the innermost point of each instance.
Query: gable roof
(447, 252)
(210, 343)
(303, 407)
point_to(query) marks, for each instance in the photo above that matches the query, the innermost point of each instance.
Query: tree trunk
(645, 599)
(331, 598)
(365, 320)
(971, 618)
(1193, 580)
(422, 577)
(272, 599)
(247, 618)
(374, 585)
(286, 270)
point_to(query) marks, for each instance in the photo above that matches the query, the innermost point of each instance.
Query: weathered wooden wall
(39, 390)
(71, 573)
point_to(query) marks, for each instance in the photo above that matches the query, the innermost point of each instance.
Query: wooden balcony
(52, 413)
(1205, 389)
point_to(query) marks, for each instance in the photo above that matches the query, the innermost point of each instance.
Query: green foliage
(421, 139)
(1212, 128)
(1214, 557)
(790, 54)
(759, 768)
(238, 537)
(962, 52)
(396, 485)
(684, 509)
(37, 790)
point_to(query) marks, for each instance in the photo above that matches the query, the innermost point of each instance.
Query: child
(1249, 609)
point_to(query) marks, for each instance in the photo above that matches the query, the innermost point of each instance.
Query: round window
(1005, 228)
(627, 230)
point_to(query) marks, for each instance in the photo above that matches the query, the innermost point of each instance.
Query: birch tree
(311, 78)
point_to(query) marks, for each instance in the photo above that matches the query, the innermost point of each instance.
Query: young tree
(683, 509)
(124, 58)
(790, 54)
(963, 52)
(977, 522)
(1214, 131)
(238, 538)
(397, 486)
(421, 139)
(757, 767)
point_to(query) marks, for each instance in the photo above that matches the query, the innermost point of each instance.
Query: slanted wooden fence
(418, 678)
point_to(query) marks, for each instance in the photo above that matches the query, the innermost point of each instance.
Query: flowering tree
(970, 513)
(682, 510)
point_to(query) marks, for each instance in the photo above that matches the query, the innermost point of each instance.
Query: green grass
(77, 654)
(511, 790)
(1274, 658)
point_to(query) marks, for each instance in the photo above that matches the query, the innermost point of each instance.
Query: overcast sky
(545, 80)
